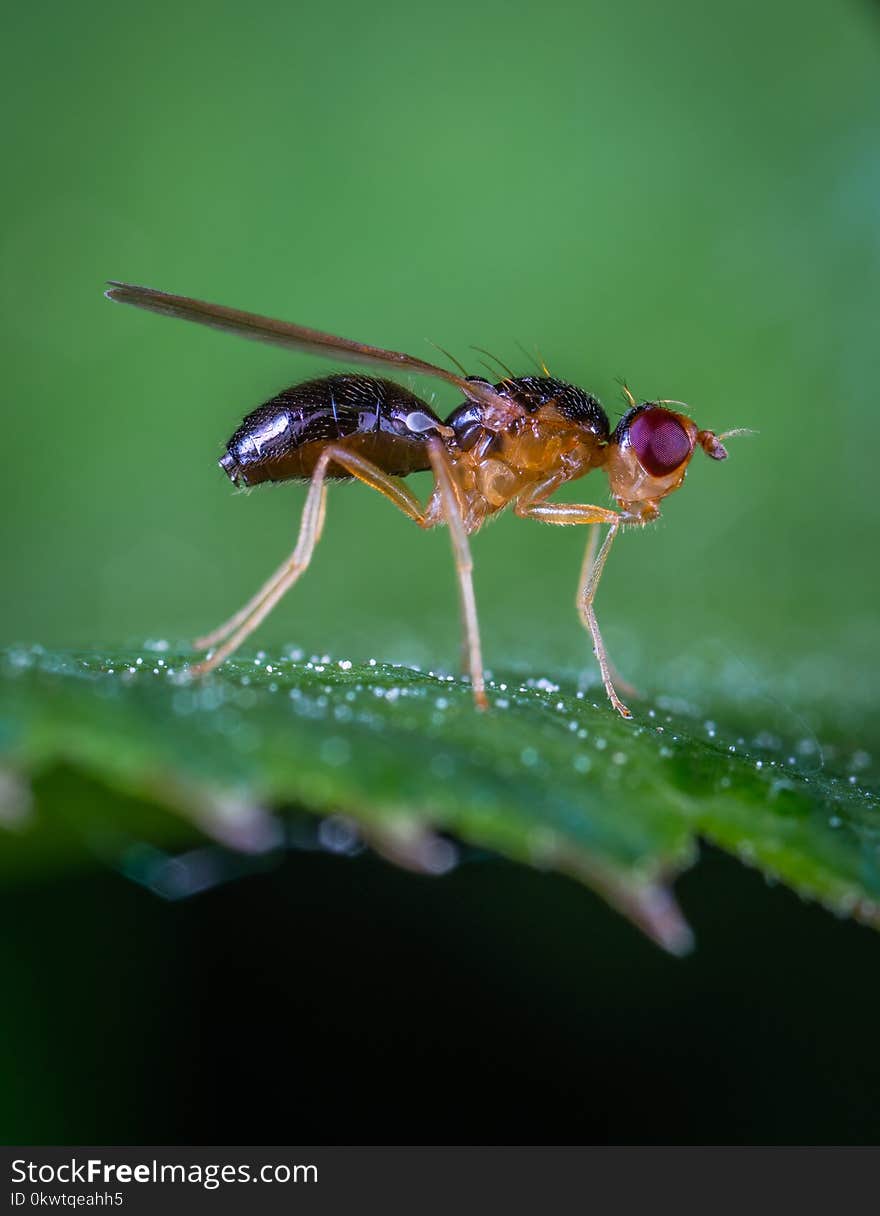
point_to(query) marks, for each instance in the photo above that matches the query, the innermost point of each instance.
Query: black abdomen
(283, 439)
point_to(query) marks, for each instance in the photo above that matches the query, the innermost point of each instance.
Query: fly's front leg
(571, 514)
(586, 598)
(628, 690)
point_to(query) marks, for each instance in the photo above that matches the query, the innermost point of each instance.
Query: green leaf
(124, 755)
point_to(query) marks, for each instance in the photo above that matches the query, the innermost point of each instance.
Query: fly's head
(649, 452)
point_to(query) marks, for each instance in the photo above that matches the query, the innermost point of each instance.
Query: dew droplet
(338, 834)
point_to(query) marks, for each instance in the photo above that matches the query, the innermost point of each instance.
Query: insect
(512, 443)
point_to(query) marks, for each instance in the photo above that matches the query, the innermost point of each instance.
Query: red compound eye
(660, 441)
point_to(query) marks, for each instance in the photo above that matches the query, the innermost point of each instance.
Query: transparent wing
(298, 337)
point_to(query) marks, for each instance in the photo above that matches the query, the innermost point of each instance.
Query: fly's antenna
(495, 359)
(713, 444)
(739, 430)
(451, 358)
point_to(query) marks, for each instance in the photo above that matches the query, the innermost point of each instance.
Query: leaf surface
(399, 758)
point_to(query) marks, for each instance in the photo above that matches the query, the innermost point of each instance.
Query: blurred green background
(670, 193)
(682, 194)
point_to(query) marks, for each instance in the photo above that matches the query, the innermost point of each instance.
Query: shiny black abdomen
(283, 439)
(532, 393)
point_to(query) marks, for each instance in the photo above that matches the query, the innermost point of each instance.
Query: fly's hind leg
(367, 472)
(224, 630)
(242, 625)
(245, 621)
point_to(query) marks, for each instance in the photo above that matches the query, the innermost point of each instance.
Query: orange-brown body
(531, 456)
